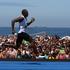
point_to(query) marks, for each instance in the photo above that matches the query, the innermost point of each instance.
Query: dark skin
(19, 19)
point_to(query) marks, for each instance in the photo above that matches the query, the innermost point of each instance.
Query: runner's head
(25, 13)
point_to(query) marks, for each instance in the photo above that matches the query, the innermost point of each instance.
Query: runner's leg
(22, 36)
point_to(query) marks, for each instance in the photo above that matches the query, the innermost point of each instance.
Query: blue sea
(33, 30)
(28, 65)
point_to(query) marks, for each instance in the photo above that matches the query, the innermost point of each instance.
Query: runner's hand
(33, 19)
(13, 32)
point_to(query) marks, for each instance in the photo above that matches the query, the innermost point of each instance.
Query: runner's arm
(13, 23)
(31, 21)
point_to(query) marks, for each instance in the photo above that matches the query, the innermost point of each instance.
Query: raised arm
(31, 21)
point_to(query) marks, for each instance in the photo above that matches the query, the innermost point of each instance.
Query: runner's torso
(22, 25)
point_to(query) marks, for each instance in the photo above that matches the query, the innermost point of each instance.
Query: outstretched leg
(24, 36)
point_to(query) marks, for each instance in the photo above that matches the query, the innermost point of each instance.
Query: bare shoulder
(18, 19)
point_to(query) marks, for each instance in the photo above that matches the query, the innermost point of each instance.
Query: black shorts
(20, 38)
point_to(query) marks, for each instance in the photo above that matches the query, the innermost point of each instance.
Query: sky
(47, 13)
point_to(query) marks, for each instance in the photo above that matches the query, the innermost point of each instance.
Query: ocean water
(22, 65)
(33, 30)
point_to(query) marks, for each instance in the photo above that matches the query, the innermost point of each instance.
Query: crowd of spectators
(48, 47)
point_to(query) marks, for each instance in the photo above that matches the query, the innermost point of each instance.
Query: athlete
(23, 24)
